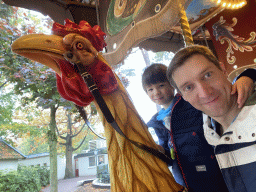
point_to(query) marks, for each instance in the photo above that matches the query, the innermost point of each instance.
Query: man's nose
(205, 90)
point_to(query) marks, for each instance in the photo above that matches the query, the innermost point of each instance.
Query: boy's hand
(244, 87)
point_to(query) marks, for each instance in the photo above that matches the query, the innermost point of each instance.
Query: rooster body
(131, 168)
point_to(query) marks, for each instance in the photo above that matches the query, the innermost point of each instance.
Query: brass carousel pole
(186, 32)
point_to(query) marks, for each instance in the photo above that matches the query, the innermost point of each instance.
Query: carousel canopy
(149, 24)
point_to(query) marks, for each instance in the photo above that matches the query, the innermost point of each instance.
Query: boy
(201, 80)
(179, 128)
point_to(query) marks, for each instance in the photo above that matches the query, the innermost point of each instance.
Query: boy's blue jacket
(195, 165)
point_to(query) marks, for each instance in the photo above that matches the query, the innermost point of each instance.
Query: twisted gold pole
(186, 32)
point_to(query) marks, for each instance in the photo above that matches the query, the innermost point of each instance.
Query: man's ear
(223, 68)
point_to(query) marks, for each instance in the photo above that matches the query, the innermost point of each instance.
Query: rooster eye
(79, 46)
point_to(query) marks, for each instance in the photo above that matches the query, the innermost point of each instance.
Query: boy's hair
(155, 73)
(184, 54)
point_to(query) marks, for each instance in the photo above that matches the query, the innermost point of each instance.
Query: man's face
(160, 93)
(204, 86)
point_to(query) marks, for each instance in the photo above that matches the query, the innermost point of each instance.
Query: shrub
(25, 179)
(44, 175)
(32, 175)
(14, 182)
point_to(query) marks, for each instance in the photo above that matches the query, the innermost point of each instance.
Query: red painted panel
(233, 34)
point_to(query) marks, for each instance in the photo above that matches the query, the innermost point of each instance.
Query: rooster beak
(45, 49)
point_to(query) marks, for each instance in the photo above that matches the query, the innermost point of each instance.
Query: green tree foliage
(6, 107)
(15, 71)
(32, 81)
(163, 57)
(34, 145)
(9, 129)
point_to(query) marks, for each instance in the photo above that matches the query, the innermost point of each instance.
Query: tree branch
(63, 143)
(59, 135)
(78, 131)
(84, 116)
(3, 84)
(74, 149)
(62, 137)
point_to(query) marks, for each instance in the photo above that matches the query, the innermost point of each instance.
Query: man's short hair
(184, 54)
(155, 73)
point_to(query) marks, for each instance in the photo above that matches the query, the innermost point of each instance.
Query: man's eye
(208, 74)
(149, 90)
(187, 88)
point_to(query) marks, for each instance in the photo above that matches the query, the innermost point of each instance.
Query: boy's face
(204, 86)
(161, 93)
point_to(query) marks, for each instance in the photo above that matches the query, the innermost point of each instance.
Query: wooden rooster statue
(131, 168)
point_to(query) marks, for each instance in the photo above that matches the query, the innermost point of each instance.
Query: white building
(86, 163)
(83, 164)
(10, 158)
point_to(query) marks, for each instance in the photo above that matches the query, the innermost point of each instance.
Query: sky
(145, 107)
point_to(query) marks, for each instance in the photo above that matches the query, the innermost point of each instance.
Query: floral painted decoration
(223, 32)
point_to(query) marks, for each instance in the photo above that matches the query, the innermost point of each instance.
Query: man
(202, 81)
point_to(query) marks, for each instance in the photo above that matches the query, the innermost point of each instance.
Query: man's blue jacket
(195, 165)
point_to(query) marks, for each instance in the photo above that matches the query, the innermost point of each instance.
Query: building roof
(92, 153)
(38, 155)
(7, 152)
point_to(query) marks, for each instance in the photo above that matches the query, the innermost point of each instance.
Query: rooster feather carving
(131, 168)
